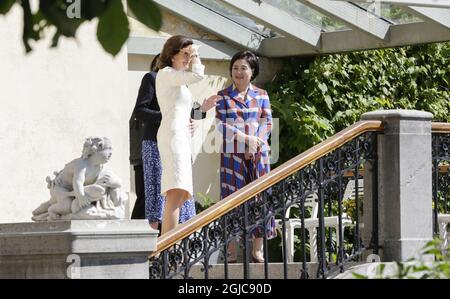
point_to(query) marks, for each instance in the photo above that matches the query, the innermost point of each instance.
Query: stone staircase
(256, 271)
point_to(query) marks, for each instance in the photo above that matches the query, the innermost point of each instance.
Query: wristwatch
(197, 107)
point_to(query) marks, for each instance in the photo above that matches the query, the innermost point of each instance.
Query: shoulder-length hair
(171, 48)
(154, 64)
(251, 59)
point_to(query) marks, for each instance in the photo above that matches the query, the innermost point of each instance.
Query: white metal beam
(440, 16)
(210, 49)
(422, 3)
(212, 22)
(400, 35)
(278, 47)
(350, 40)
(353, 16)
(278, 20)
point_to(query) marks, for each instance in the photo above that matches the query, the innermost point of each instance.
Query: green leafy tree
(316, 97)
(66, 16)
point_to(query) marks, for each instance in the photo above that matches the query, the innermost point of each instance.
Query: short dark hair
(251, 59)
(154, 64)
(171, 48)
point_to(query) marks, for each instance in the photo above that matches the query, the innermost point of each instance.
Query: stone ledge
(397, 114)
(94, 248)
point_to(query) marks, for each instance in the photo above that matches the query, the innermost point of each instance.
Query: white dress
(174, 139)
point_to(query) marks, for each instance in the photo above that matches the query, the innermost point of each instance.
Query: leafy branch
(66, 16)
(314, 97)
(439, 268)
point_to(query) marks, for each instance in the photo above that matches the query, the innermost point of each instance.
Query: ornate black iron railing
(441, 176)
(319, 186)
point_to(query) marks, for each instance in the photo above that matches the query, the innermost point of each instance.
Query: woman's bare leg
(174, 200)
(232, 251)
(154, 225)
(258, 248)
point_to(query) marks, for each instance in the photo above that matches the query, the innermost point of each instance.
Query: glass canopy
(311, 27)
(392, 13)
(230, 13)
(308, 14)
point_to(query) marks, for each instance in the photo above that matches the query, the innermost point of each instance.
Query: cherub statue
(85, 188)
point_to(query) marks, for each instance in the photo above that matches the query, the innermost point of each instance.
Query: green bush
(439, 268)
(203, 202)
(316, 97)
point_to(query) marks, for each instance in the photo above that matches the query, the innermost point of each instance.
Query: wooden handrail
(440, 127)
(278, 174)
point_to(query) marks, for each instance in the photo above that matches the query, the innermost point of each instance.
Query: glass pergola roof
(308, 14)
(280, 28)
(230, 13)
(392, 13)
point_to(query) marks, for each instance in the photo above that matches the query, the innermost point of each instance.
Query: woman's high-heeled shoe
(257, 260)
(232, 259)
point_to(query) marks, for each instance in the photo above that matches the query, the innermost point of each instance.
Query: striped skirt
(236, 172)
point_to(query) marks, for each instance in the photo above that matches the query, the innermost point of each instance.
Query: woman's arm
(265, 122)
(178, 78)
(146, 96)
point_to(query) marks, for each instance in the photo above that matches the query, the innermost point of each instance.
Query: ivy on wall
(316, 97)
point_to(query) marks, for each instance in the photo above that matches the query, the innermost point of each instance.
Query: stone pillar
(76, 249)
(404, 182)
(370, 185)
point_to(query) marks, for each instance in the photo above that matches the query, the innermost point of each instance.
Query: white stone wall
(50, 101)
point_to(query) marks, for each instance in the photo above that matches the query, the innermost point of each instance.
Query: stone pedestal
(76, 249)
(404, 182)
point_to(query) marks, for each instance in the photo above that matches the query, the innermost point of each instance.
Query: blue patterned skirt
(154, 202)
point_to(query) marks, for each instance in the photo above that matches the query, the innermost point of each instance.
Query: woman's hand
(254, 144)
(192, 126)
(248, 156)
(194, 50)
(194, 56)
(210, 103)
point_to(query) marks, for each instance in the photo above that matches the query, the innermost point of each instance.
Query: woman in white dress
(174, 134)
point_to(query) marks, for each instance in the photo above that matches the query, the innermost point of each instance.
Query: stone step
(256, 271)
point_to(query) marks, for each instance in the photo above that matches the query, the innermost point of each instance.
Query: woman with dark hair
(145, 157)
(143, 122)
(174, 137)
(245, 119)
